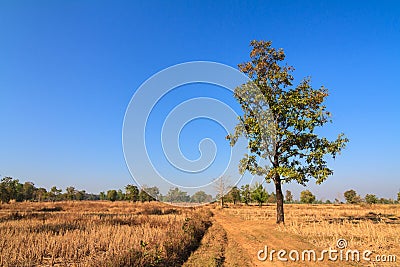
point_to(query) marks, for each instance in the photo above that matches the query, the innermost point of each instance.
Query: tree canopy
(279, 120)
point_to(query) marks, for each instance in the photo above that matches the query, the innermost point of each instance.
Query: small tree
(10, 189)
(234, 195)
(352, 197)
(144, 194)
(40, 194)
(289, 196)
(271, 198)
(383, 200)
(307, 197)
(80, 194)
(175, 195)
(120, 195)
(201, 197)
(259, 194)
(246, 194)
(70, 193)
(28, 189)
(132, 192)
(371, 199)
(222, 186)
(398, 196)
(112, 195)
(6, 189)
(153, 192)
(55, 193)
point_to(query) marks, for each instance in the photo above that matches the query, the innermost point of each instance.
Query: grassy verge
(211, 252)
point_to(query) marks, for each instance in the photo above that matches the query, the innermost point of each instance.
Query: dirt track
(247, 237)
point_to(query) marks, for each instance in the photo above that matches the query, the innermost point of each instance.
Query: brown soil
(247, 237)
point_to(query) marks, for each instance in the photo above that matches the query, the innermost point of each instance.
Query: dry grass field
(99, 234)
(103, 233)
(364, 227)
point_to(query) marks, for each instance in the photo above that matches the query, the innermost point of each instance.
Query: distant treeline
(12, 189)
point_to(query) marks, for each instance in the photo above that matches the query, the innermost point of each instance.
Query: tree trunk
(280, 216)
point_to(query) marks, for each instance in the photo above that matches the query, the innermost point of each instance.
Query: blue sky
(68, 70)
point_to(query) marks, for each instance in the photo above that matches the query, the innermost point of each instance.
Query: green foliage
(132, 193)
(28, 190)
(153, 192)
(234, 195)
(296, 151)
(307, 197)
(70, 192)
(112, 195)
(259, 194)
(80, 195)
(120, 195)
(398, 196)
(176, 195)
(371, 199)
(246, 194)
(55, 193)
(6, 189)
(279, 120)
(385, 201)
(352, 197)
(201, 197)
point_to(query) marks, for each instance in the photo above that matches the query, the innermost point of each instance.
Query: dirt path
(247, 237)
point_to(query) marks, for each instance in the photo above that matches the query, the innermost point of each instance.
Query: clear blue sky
(69, 68)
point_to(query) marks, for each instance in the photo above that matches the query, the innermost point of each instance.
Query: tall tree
(279, 120)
